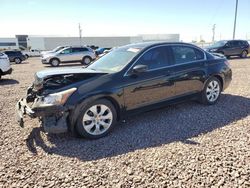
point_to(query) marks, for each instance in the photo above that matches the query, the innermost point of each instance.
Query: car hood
(60, 77)
(64, 71)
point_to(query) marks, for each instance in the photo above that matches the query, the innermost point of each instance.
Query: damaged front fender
(53, 118)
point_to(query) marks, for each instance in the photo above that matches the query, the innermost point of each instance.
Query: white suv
(70, 55)
(4, 65)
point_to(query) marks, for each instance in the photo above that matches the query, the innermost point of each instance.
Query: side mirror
(139, 69)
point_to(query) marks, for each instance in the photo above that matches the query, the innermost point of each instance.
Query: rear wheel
(17, 60)
(54, 62)
(86, 60)
(96, 120)
(211, 92)
(244, 54)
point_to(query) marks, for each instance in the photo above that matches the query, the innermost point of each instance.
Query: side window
(184, 54)
(155, 58)
(66, 51)
(84, 49)
(79, 49)
(234, 43)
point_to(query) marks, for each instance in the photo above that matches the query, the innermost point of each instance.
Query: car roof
(234, 40)
(145, 45)
(12, 51)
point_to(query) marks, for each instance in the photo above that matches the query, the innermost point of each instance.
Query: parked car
(230, 48)
(100, 51)
(15, 56)
(31, 53)
(53, 51)
(128, 80)
(5, 67)
(70, 55)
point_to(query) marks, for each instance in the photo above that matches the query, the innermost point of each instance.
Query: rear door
(189, 70)
(233, 48)
(78, 53)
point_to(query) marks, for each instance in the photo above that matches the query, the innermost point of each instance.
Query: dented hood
(42, 75)
(63, 71)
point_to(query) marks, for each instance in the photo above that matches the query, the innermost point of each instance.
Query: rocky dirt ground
(185, 145)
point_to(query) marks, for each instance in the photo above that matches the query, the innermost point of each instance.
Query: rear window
(185, 54)
(80, 49)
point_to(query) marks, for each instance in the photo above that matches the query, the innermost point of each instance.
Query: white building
(8, 43)
(48, 43)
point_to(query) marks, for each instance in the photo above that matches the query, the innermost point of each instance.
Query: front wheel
(54, 62)
(211, 92)
(96, 120)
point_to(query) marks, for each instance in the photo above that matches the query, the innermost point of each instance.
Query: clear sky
(192, 19)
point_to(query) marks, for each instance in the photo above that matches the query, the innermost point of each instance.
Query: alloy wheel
(17, 61)
(244, 54)
(55, 62)
(213, 91)
(97, 119)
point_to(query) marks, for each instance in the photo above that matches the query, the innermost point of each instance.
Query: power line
(213, 29)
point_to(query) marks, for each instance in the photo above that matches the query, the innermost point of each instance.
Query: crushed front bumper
(53, 118)
(21, 109)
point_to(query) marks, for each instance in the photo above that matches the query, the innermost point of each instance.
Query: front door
(66, 55)
(154, 85)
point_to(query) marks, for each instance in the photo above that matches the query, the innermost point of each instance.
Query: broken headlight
(57, 98)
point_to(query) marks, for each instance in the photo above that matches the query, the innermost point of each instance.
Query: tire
(244, 54)
(26, 56)
(86, 60)
(17, 60)
(54, 62)
(91, 124)
(211, 92)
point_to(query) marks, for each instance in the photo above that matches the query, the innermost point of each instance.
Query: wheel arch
(73, 114)
(219, 77)
(54, 58)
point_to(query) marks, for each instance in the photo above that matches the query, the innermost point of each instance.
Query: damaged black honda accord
(130, 79)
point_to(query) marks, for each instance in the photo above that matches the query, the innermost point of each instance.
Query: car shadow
(177, 123)
(5, 81)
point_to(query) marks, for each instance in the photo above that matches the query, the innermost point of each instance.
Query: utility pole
(213, 29)
(235, 18)
(80, 34)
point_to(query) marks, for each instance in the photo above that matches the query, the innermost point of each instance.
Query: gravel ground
(185, 145)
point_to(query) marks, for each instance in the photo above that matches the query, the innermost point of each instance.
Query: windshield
(115, 60)
(58, 48)
(218, 44)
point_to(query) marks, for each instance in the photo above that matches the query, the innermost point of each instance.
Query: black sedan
(128, 80)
